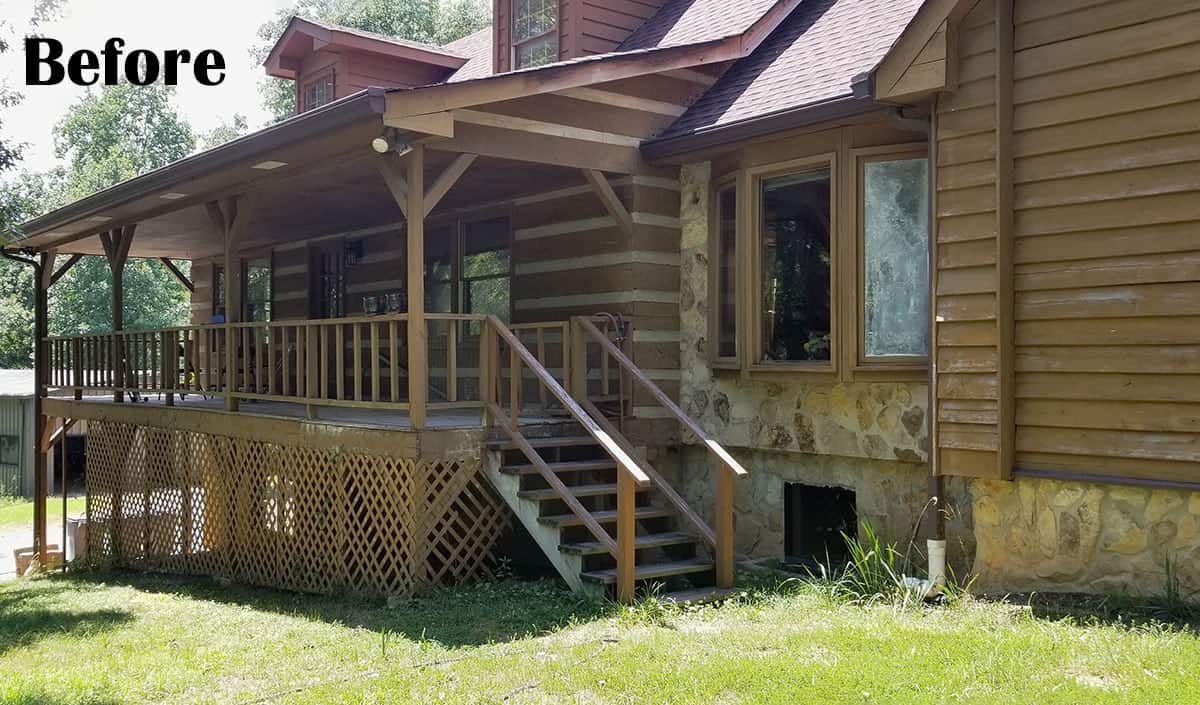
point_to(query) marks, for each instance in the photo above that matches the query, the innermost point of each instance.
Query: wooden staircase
(605, 518)
(668, 557)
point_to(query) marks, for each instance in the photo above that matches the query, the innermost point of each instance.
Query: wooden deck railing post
(487, 361)
(77, 367)
(314, 370)
(724, 526)
(169, 363)
(579, 372)
(626, 536)
(514, 386)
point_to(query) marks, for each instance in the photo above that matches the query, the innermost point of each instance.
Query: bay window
(815, 273)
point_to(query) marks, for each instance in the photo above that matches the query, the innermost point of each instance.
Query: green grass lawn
(15, 513)
(118, 638)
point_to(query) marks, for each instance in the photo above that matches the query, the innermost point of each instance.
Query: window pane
(726, 274)
(318, 93)
(533, 17)
(896, 258)
(538, 52)
(796, 267)
(487, 296)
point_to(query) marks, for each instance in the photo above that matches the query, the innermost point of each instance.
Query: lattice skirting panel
(314, 520)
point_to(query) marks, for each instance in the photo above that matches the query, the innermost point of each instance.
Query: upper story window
(317, 92)
(534, 32)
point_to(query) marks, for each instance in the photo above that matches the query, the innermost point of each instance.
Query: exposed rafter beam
(393, 176)
(446, 181)
(613, 99)
(440, 124)
(543, 149)
(610, 200)
(183, 279)
(66, 267)
(540, 127)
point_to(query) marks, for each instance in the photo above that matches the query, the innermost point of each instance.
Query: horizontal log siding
(966, 329)
(1107, 258)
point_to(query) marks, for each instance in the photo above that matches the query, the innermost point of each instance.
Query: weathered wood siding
(1105, 257)
(965, 330)
(1107, 236)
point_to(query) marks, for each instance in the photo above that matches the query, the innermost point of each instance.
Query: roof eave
(669, 148)
(350, 109)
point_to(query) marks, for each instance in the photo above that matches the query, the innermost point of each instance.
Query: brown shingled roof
(477, 48)
(810, 59)
(693, 21)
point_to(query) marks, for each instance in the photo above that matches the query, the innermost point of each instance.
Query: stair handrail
(661, 397)
(727, 467)
(628, 468)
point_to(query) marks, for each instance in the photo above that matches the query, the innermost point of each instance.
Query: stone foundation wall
(889, 495)
(1066, 536)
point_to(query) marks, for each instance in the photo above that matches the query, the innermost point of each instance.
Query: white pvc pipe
(937, 563)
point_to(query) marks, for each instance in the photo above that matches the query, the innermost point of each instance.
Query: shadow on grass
(28, 614)
(1109, 610)
(467, 615)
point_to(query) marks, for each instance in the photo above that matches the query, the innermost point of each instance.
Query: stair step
(604, 517)
(551, 442)
(577, 490)
(569, 466)
(699, 595)
(590, 548)
(651, 570)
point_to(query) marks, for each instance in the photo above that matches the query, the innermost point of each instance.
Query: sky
(228, 26)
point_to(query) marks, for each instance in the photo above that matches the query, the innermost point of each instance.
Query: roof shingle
(695, 21)
(477, 48)
(811, 58)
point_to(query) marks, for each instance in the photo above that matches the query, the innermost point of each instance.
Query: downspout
(934, 516)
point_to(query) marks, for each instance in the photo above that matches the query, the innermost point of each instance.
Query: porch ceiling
(318, 198)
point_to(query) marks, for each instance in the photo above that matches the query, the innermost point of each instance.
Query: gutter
(364, 104)
(791, 118)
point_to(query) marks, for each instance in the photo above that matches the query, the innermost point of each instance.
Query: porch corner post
(42, 426)
(116, 250)
(418, 335)
(230, 221)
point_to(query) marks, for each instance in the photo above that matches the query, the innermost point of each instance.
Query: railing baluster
(314, 368)
(270, 330)
(541, 353)
(374, 360)
(301, 369)
(514, 384)
(324, 344)
(286, 380)
(339, 341)
(356, 340)
(452, 360)
(394, 359)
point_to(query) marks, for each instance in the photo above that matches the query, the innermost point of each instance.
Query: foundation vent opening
(814, 519)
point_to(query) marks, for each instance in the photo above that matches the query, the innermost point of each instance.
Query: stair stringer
(527, 511)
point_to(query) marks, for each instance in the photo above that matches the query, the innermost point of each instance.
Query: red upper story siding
(585, 27)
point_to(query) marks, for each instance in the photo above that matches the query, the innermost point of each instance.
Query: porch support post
(116, 250)
(229, 218)
(43, 273)
(418, 346)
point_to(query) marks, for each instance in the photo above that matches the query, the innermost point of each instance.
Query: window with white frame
(534, 32)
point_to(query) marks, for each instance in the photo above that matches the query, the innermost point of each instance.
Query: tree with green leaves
(427, 21)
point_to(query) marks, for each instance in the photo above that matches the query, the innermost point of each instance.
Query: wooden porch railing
(721, 539)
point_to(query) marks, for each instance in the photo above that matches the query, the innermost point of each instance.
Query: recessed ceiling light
(100, 218)
(268, 165)
(173, 196)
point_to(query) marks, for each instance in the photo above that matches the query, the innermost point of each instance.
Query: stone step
(569, 466)
(607, 516)
(592, 548)
(651, 570)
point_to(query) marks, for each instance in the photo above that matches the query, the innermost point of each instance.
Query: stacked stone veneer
(1035, 534)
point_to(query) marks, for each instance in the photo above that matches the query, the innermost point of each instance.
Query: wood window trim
(715, 360)
(855, 363)
(750, 198)
(320, 76)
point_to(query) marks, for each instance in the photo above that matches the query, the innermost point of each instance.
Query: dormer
(530, 33)
(328, 62)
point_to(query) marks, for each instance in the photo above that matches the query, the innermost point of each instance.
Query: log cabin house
(659, 286)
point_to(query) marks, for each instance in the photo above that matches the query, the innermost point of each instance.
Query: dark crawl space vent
(814, 519)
